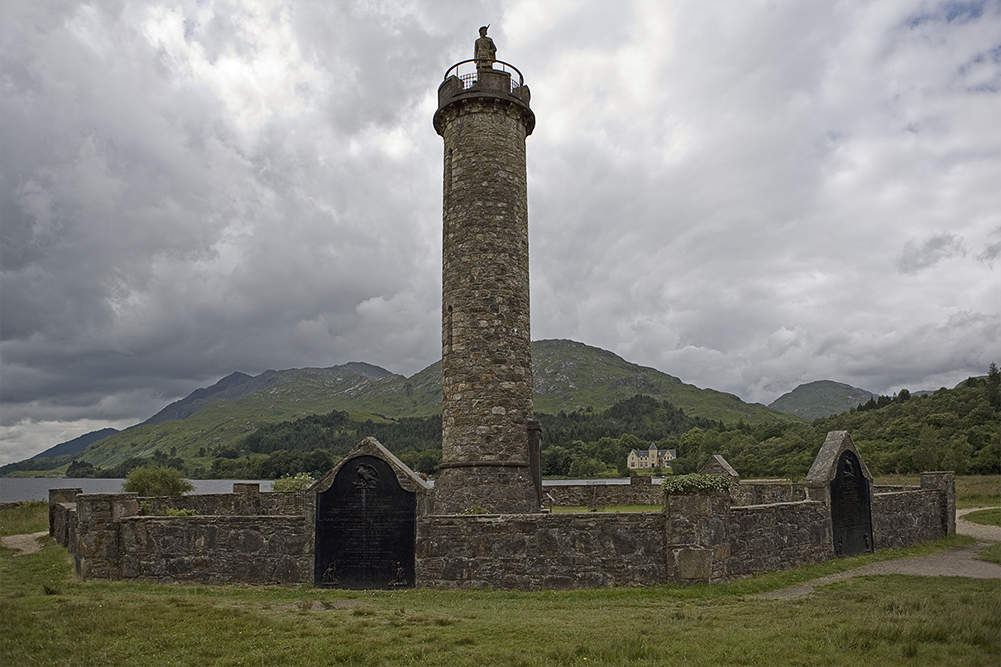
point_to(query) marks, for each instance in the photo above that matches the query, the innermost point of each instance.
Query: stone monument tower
(487, 418)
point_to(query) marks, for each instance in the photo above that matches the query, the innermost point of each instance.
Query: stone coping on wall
(762, 505)
(235, 518)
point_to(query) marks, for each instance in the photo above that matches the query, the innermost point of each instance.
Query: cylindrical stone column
(486, 354)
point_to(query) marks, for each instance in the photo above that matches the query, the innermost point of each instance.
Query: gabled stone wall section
(824, 467)
(717, 465)
(405, 477)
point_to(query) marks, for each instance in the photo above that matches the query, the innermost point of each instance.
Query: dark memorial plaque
(365, 528)
(851, 516)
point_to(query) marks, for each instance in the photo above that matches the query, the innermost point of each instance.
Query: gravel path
(976, 530)
(959, 562)
(24, 544)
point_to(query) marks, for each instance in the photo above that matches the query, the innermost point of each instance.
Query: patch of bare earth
(24, 544)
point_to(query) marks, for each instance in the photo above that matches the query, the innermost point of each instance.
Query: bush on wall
(697, 484)
(298, 482)
(154, 481)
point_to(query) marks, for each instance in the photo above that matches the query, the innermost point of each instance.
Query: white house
(640, 459)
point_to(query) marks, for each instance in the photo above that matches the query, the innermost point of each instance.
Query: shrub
(154, 481)
(696, 483)
(298, 482)
(176, 512)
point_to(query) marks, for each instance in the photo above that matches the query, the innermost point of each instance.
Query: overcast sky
(747, 195)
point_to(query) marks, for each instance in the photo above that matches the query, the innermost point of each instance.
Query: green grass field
(991, 553)
(971, 490)
(26, 517)
(47, 616)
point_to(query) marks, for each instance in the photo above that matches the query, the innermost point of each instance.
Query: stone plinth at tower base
(486, 488)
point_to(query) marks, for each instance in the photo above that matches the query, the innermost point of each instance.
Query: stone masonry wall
(755, 492)
(216, 549)
(98, 550)
(906, 517)
(534, 551)
(778, 536)
(62, 524)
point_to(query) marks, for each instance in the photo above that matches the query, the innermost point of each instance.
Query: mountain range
(567, 375)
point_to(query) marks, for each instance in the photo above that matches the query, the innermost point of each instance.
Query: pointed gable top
(824, 467)
(407, 478)
(718, 465)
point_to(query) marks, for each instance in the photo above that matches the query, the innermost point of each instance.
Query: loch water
(14, 489)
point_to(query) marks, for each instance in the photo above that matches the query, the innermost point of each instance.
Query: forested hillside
(951, 429)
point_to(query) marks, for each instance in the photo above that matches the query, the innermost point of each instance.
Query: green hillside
(822, 398)
(567, 376)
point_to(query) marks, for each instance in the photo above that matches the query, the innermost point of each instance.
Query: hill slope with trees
(950, 429)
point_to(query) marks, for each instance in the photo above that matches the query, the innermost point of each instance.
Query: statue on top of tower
(484, 51)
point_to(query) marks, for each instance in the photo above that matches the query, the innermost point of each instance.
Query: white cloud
(744, 195)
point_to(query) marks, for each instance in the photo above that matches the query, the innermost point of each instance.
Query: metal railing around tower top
(466, 71)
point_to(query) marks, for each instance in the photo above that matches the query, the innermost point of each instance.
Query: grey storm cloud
(747, 196)
(919, 256)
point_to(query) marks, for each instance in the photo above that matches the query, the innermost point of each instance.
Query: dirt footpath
(24, 544)
(977, 531)
(959, 562)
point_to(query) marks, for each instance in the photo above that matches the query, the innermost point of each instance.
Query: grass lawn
(871, 620)
(986, 517)
(26, 517)
(971, 490)
(991, 554)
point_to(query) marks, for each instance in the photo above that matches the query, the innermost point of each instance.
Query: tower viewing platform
(480, 78)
